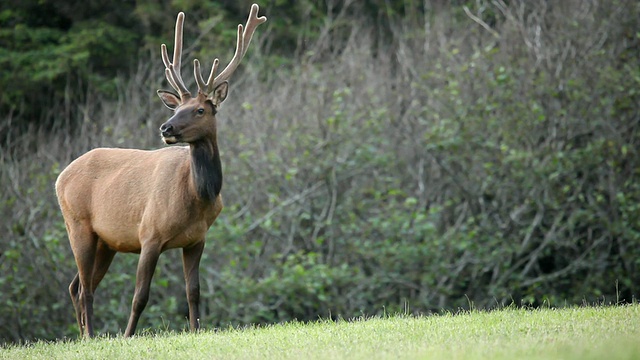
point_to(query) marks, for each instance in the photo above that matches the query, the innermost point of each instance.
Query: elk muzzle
(168, 133)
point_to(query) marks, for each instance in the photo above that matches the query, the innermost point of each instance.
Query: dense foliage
(378, 156)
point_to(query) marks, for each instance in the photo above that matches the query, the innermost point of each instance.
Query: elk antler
(172, 69)
(244, 38)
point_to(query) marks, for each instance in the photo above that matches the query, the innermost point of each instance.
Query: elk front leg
(190, 264)
(146, 266)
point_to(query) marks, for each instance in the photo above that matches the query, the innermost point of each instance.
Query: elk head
(194, 117)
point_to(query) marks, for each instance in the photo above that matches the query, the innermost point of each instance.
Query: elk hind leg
(83, 244)
(74, 292)
(104, 257)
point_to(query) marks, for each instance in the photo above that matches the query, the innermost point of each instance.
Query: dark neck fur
(206, 170)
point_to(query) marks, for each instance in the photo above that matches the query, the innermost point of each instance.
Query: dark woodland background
(380, 156)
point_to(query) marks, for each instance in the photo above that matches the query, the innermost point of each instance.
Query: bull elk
(146, 202)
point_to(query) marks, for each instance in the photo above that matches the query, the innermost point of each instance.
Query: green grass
(573, 333)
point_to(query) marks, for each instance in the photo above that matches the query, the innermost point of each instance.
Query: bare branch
(481, 23)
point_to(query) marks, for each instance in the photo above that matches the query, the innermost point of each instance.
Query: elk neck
(206, 168)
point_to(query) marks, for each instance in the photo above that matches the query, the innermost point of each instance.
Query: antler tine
(198, 75)
(167, 73)
(205, 88)
(212, 74)
(244, 38)
(172, 70)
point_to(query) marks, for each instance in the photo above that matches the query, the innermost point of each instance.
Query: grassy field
(575, 333)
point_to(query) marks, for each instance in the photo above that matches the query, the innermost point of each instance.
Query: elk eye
(200, 111)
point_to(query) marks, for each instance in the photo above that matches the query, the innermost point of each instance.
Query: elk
(127, 200)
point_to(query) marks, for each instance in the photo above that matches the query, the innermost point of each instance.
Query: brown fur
(125, 200)
(108, 189)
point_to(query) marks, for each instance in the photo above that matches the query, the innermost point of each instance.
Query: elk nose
(166, 129)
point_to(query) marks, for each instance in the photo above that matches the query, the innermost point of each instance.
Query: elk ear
(220, 93)
(170, 100)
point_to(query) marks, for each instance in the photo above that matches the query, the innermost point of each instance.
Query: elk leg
(74, 291)
(146, 265)
(190, 264)
(104, 257)
(83, 244)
